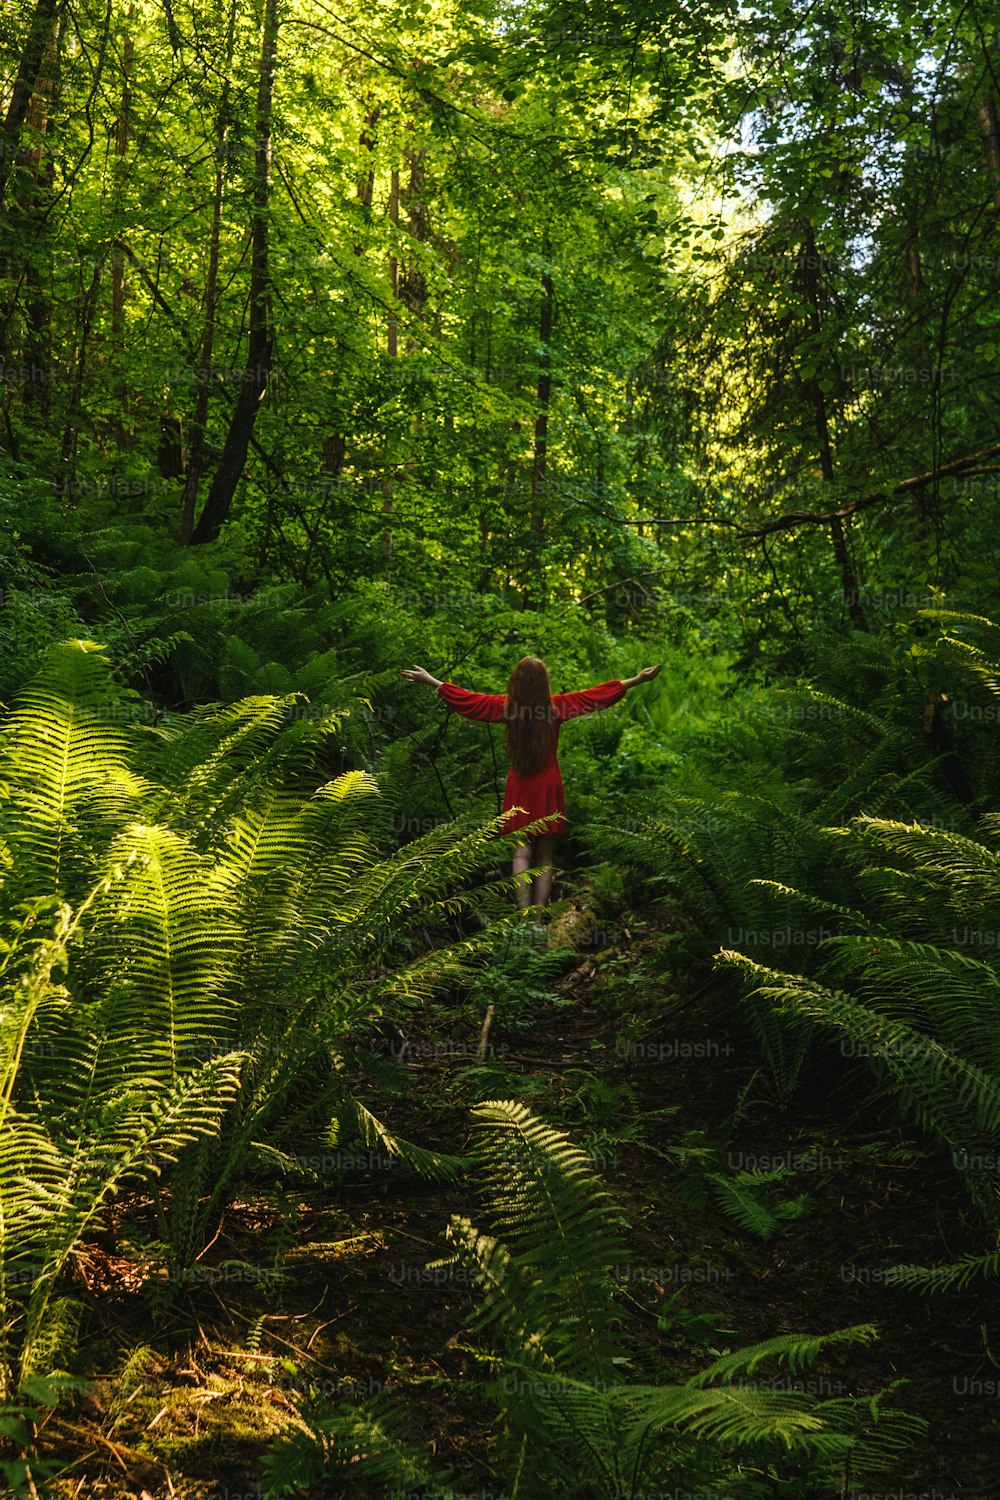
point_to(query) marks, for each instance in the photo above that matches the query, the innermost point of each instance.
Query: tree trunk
(260, 342)
(32, 200)
(199, 422)
(366, 182)
(40, 34)
(914, 271)
(392, 344)
(409, 289)
(413, 287)
(67, 451)
(543, 396)
(991, 145)
(838, 537)
(121, 431)
(392, 338)
(540, 441)
(939, 735)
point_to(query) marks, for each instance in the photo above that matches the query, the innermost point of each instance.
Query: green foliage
(161, 1021)
(348, 1442)
(912, 988)
(65, 764)
(957, 1277)
(559, 1362)
(17, 1428)
(767, 876)
(518, 979)
(748, 1197)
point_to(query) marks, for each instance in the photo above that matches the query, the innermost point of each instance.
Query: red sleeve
(571, 705)
(488, 706)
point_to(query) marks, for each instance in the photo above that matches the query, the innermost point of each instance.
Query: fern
(187, 957)
(952, 1278)
(954, 1099)
(573, 1423)
(797, 1351)
(354, 1121)
(917, 1008)
(166, 948)
(65, 766)
(345, 1443)
(740, 1196)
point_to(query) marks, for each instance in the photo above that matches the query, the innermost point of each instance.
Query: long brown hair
(529, 721)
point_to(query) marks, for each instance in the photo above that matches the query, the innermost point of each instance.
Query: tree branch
(972, 463)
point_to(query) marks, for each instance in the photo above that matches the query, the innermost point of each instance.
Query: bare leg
(522, 862)
(545, 857)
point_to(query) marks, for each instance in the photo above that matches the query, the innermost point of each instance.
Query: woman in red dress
(531, 716)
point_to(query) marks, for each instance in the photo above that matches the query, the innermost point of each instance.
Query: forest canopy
(531, 301)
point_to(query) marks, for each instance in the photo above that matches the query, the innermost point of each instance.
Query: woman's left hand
(418, 674)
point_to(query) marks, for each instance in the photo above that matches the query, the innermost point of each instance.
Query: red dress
(541, 794)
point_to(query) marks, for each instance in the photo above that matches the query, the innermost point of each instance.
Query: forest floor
(357, 1314)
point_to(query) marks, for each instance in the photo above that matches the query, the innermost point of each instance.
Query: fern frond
(66, 764)
(219, 758)
(881, 1436)
(948, 1096)
(797, 1351)
(739, 1197)
(355, 1121)
(52, 1342)
(561, 1227)
(823, 908)
(543, 1187)
(743, 1416)
(951, 1278)
(496, 1277)
(949, 995)
(967, 864)
(367, 1444)
(168, 947)
(847, 713)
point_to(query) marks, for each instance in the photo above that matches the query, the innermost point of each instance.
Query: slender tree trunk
(392, 345)
(914, 271)
(67, 451)
(990, 128)
(260, 342)
(121, 151)
(543, 396)
(540, 441)
(413, 287)
(366, 182)
(40, 33)
(914, 353)
(199, 422)
(939, 735)
(33, 196)
(407, 286)
(392, 336)
(838, 537)
(122, 436)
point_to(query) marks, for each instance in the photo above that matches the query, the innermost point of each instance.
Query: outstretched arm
(485, 706)
(588, 700)
(604, 695)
